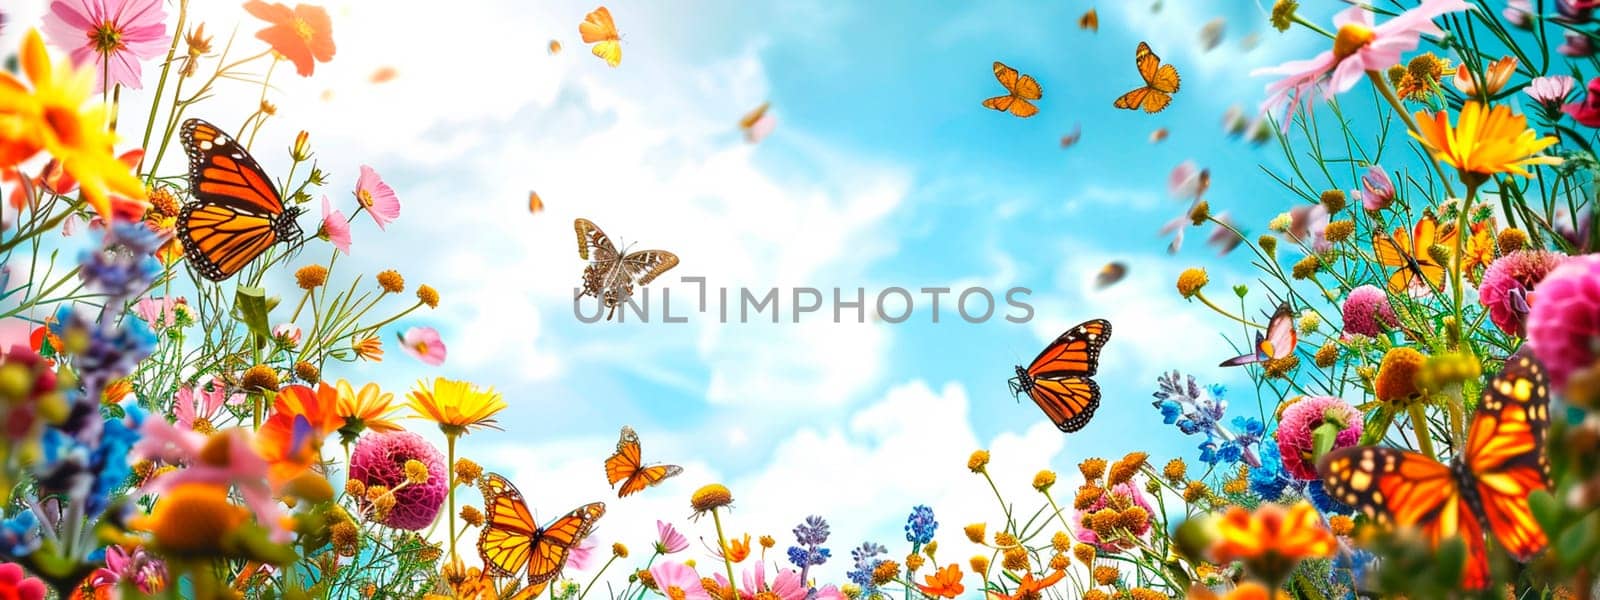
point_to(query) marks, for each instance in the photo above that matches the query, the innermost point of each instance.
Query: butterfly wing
(1090, 21)
(1407, 490)
(1281, 337)
(237, 213)
(1069, 402)
(1251, 358)
(1076, 353)
(590, 238)
(1505, 453)
(535, 203)
(1134, 99)
(625, 462)
(648, 477)
(506, 543)
(219, 239)
(556, 540)
(597, 28)
(222, 172)
(1019, 89)
(646, 265)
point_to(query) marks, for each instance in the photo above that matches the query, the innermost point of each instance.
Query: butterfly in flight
(597, 28)
(1090, 21)
(1278, 343)
(554, 47)
(1110, 274)
(611, 274)
(1058, 379)
(627, 466)
(1409, 252)
(511, 542)
(757, 123)
(1019, 90)
(1486, 486)
(1160, 83)
(237, 213)
(1071, 139)
(1159, 135)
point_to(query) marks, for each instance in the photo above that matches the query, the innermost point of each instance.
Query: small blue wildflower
(1325, 504)
(1268, 480)
(813, 532)
(19, 535)
(920, 525)
(1170, 411)
(1217, 390)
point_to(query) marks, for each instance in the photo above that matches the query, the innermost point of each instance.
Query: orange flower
(303, 35)
(1480, 250)
(368, 409)
(1249, 590)
(738, 549)
(1496, 74)
(944, 583)
(1271, 539)
(1029, 588)
(291, 439)
(369, 348)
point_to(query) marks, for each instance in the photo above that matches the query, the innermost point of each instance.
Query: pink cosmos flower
(335, 228)
(196, 406)
(1550, 90)
(1298, 426)
(1359, 47)
(1377, 190)
(159, 312)
(147, 573)
(581, 556)
(668, 540)
(1175, 229)
(1223, 238)
(1586, 111)
(1564, 325)
(786, 585)
(114, 35)
(423, 344)
(1518, 13)
(288, 333)
(377, 197)
(677, 580)
(1576, 45)
(242, 468)
(1188, 180)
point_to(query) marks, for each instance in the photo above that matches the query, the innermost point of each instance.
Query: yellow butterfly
(1019, 90)
(1160, 83)
(597, 28)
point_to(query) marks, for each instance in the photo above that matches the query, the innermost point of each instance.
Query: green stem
(1394, 101)
(1225, 313)
(1010, 525)
(596, 577)
(1460, 250)
(450, 469)
(722, 542)
(161, 83)
(1419, 424)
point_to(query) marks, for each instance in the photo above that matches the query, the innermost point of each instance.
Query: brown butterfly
(1090, 21)
(1068, 140)
(611, 274)
(1160, 83)
(1019, 90)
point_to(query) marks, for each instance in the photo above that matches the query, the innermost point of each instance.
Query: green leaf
(1322, 439)
(1546, 510)
(250, 307)
(1377, 426)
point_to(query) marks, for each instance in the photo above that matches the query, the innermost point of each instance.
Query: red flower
(1587, 111)
(304, 35)
(15, 584)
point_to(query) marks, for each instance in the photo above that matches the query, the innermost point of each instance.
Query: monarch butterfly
(1160, 83)
(597, 28)
(627, 466)
(237, 213)
(1058, 379)
(1485, 487)
(611, 274)
(1410, 254)
(1277, 343)
(1019, 90)
(512, 542)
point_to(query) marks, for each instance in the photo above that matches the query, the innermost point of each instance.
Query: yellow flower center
(202, 425)
(1351, 39)
(64, 123)
(303, 29)
(106, 38)
(676, 593)
(364, 197)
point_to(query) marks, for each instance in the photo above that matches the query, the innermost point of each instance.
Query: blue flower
(1189, 427)
(1217, 390)
(866, 561)
(1249, 426)
(19, 535)
(1230, 452)
(920, 525)
(1325, 504)
(122, 267)
(813, 532)
(1208, 452)
(1268, 480)
(1170, 411)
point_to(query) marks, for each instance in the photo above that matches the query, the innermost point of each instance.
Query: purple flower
(1507, 283)
(1577, 44)
(1550, 90)
(1377, 190)
(1367, 312)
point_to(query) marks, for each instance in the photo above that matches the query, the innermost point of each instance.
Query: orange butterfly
(1159, 135)
(383, 74)
(555, 47)
(1485, 487)
(237, 213)
(597, 28)
(1160, 83)
(512, 542)
(535, 204)
(1409, 253)
(1019, 90)
(1090, 21)
(1058, 379)
(628, 467)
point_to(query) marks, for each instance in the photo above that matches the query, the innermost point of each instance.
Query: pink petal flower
(423, 344)
(377, 197)
(670, 575)
(1377, 189)
(139, 27)
(668, 540)
(1298, 425)
(288, 333)
(1564, 324)
(244, 470)
(335, 228)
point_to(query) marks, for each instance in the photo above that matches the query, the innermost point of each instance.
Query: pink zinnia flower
(423, 344)
(381, 460)
(1377, 190)
(1564, 325)
(114, 35)
(1359, 47)
(1367, 312)
(1134, 494)
(335, 228)
(1586, 111)
(196, 406)
(1550, 90)
(677, 580)
(1298, 427)
(377, 197)
(1508, 285)
(668, 540)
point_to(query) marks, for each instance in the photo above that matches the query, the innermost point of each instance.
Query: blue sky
(883, 171)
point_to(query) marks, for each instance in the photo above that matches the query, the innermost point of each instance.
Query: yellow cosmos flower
(371, 407)
(457, 406)
(1484, 141)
